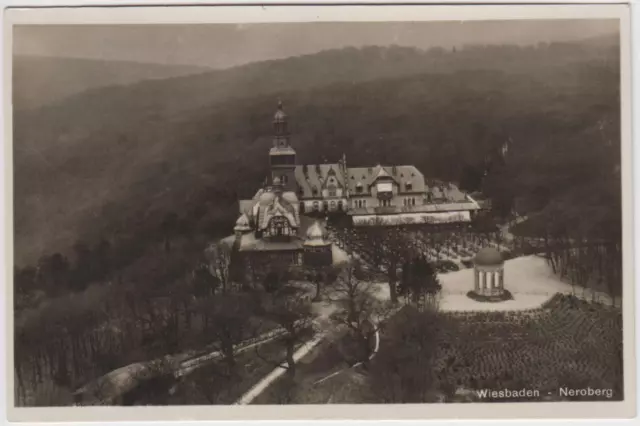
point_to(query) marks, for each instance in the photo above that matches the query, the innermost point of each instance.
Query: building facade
(380, 193)
(275, 221)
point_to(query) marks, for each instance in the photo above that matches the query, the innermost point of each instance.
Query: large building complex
(274, 219)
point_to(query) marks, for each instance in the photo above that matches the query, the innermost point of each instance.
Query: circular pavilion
(317, 247)
(489, 273)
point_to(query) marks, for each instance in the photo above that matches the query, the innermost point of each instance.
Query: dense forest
(109, 181)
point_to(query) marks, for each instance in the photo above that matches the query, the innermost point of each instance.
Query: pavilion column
(502, 279)
(476, 280)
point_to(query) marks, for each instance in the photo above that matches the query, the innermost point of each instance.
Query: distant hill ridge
(40, 80)
(350, 64)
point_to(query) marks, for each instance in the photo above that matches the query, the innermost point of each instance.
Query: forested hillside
(103, 162)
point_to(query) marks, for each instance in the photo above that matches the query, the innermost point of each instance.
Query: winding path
(266, 381)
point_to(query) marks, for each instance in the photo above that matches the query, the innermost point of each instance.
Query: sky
(228, 45)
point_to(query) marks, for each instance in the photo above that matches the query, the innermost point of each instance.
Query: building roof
(410, 218)
(282, 150)
(278, 207)
(418, 208)
(488, 256)
(400, 174)
(249, 242)
(290, 197)
(242, 224)
(316, 176)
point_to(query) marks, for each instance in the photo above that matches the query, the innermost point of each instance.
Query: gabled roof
(314, 179)
(400, 174)
(382, 173)
(279, 207)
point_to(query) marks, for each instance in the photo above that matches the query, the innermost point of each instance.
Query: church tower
(282, 156)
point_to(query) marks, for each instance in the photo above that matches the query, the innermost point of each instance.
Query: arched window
(279, 226)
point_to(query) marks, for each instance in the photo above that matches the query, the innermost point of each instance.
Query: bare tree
(219, 260)
(360, 311)
(389, 248)
(290, 308)
(227, 324)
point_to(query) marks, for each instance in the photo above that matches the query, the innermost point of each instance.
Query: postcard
(254, 212)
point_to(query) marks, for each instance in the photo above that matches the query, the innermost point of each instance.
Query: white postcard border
(256, 14)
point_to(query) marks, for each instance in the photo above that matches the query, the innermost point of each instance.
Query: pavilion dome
(242, 224)
(316, 235)
(488, 256)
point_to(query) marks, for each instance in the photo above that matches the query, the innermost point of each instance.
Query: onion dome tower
(489, 273)
(317, 248)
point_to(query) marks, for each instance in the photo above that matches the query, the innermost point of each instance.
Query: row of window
(332, 192)
(407, 186)
(279, 227)
(325, 206)
(384, 203)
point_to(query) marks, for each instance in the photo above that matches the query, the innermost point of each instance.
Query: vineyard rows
(567, 343)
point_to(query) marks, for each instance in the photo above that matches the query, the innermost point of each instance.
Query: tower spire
(280, 127)
(282, 155)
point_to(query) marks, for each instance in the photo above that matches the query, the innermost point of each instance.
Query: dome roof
(316, 231)
(266, 198)
(488, 256)
(243, 220)
(290, 197)
(242, 224)
(316, 235)
(280, 115)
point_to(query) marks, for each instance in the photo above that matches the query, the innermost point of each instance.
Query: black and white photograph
(355, 213)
